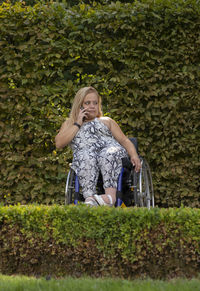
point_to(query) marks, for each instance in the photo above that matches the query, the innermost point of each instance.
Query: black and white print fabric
(95, 149)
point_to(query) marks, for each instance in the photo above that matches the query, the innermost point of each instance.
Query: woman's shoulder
(106, 120)
(103, 118)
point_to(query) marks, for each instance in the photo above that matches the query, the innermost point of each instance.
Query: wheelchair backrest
(134, 141)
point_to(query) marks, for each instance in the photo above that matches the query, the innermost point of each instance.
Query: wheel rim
(69, 190)
(145, 192)
(150, 184)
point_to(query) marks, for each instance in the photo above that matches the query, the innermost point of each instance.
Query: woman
(98, 144)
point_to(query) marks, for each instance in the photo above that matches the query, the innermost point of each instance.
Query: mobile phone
(82, 109)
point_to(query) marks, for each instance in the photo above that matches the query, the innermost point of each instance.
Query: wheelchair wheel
(151, 191)
(143, 186)
(70, 188)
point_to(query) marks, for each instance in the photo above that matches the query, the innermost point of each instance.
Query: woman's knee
(110, 154)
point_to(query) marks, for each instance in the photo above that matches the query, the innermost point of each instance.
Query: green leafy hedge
(144, 60)
(75, 241)
(67, 3)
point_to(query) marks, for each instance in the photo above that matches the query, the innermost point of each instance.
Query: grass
(22, 283)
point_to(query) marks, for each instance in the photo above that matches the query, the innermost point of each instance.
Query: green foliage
(66, 3)
(102, 241)
(142, 57)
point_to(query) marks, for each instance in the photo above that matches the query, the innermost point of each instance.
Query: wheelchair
(133, 189)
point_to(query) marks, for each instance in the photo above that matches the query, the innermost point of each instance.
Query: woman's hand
(135, 160)
(82, 114)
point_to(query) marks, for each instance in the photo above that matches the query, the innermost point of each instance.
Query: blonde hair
(78, 102)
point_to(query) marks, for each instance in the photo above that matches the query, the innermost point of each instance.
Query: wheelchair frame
(139, 186)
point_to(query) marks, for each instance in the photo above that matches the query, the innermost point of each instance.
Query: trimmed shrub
(67, 3)
(116, 242)
(142, 57)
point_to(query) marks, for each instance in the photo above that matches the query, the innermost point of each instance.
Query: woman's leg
(87, 172)
(110, 163)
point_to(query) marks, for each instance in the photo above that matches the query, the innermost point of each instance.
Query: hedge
(115, 242)
(66, 3)
(142, 57)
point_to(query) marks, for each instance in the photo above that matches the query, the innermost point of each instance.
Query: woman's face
(91, 104)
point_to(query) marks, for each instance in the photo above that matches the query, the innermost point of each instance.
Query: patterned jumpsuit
(95, 149)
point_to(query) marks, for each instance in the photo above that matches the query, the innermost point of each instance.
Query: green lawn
(22, 283)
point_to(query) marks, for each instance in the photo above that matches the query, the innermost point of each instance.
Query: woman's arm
(126, 143)
(65, 135)
(68, 131)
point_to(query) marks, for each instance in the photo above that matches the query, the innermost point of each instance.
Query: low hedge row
(75, 241)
